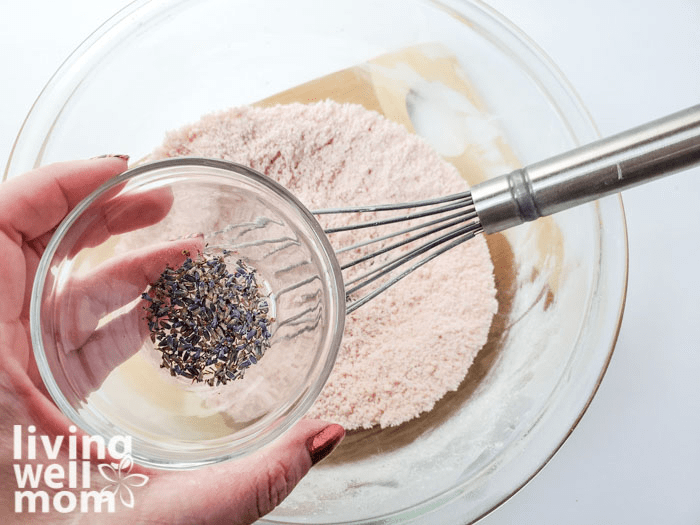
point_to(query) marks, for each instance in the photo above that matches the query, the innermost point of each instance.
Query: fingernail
(123, 157)
(323, 443)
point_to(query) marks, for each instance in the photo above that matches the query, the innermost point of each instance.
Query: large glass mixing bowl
(487, 98)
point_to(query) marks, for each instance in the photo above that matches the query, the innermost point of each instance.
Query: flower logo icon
(121, 479)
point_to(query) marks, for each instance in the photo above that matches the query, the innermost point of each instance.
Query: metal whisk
(607, 166)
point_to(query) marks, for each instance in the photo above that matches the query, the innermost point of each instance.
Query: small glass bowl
(91, 337)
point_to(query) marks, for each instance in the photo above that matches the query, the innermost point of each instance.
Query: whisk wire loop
(452, 221)
(457, 204)
(355, 304)
(461, 218)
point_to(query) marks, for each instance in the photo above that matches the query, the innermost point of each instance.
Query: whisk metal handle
(607, 166)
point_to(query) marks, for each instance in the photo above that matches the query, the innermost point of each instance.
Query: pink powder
(405, 349)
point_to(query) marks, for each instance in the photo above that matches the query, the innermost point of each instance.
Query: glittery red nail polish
(323, 443)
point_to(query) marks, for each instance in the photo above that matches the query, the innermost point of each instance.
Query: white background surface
(635, 456)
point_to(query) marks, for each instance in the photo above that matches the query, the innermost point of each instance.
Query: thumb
(240, 492)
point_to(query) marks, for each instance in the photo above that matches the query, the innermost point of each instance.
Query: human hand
(30, 209)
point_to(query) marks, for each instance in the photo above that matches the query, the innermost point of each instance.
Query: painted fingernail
(123, 157)
(323, 443)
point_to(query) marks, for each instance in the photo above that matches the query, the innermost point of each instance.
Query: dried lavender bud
(209, 324)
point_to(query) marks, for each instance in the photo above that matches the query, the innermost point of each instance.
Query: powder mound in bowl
(408, 347)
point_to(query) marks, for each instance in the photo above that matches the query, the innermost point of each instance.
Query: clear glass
(561, 281)
(92, 341)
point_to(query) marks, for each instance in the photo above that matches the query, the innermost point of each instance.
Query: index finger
(34, 203)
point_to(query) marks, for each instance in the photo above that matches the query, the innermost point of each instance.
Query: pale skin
(238, 492)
